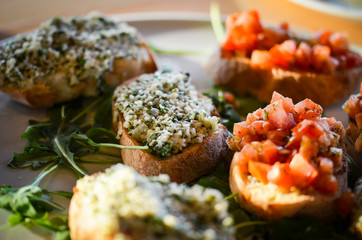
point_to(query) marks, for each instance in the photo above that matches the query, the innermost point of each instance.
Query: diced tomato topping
(345, 203)
(326, 183)
(269, 152)
(307, 109)
(242, 31)
(283, 55)
(304, 56)
(260, 127)
(323, 35)
(322, 59)
(240, 129)
(325, 165)
(358, 119)
(309, 128)
(339, 43)
(278, 117)
(308, 147)
(352, 106)
(277, 47)
(280, 175)
(279, 137)
(259, 170)
(250, 152)
(291, 145)
(261, 58)
(303, 171)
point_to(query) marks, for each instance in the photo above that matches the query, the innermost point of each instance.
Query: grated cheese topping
(164, 111)
(122, 199)
(79, 48)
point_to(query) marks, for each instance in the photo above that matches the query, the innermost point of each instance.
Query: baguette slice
(271, 203)
(194, 161)
(122, 204)
(60, 77)
(237, 74)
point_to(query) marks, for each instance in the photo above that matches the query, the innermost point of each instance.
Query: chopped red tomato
(323, 35)
(240, 129)
(271, 36)
(261, 58)
(283, 54)
(278, 117)
(322, 59)
(242, 31)
(339, 43)
(303, 171)
(260, 127)
(309, 128)
(291, 145)
(304, 56)
(307, 109)
(279, 137)
(269, 152)
(352, 106)
(326, 183)
(308, 147)
(259, 170)
(279, 174)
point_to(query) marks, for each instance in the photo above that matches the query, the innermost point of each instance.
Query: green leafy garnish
(31, 205)
(216, 22)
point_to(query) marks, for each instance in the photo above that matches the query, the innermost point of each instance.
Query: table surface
(21, 15)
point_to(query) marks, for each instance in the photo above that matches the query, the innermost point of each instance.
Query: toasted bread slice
(237, 74)
(272, 203)
(79, 58)
(192, 162)
(122, 204)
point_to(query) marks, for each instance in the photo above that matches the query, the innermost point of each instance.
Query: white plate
(343, 8)
(169, 31)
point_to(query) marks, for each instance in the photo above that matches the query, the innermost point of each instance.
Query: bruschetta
(259, 60)
(353, 106)
(68, 58)
(180, 126)
(122, 204)
(289, 161)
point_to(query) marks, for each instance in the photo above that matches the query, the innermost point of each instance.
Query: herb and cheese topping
(165, 112)
(163, 210)
(79, 48)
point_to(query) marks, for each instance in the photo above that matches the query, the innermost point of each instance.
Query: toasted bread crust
(271, 203)
(237, 74)
(48, 93)
(194, 161)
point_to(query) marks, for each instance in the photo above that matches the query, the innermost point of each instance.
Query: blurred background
(338, 15)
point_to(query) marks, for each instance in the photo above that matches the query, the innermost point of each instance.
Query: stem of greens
(68, 159)
(48, 169)
(86, 110)
(176, 52)
(250, 223)
(231, 196)
(216, 22)
(116, 145)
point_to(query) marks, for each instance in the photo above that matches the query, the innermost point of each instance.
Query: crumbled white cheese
(81, 47)
(165, 112)
(121, 197)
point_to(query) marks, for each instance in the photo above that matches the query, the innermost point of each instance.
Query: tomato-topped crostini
(289, 160)
(259, 59)
(353, 106)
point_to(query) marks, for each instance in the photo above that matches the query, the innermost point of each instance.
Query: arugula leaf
(31, 205)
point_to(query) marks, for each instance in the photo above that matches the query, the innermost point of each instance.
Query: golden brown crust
(193, 162)
(81, 222)
(271, 203)
(238, 75)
